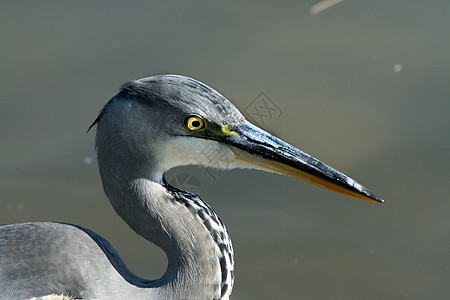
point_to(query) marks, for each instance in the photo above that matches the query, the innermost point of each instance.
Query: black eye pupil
(195, 123)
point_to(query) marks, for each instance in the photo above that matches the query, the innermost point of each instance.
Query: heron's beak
(258, 147)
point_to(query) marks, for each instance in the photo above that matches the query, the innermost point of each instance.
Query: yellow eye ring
(194, 122)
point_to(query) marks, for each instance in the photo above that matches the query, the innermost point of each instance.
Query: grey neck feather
(199, 251)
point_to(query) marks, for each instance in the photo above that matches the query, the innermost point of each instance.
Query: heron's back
(42, 258)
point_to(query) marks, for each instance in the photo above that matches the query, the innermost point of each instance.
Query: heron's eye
(194, 122)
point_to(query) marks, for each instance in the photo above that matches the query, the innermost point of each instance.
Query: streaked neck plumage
(197, 245)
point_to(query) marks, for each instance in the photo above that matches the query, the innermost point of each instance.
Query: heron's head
(172, 120)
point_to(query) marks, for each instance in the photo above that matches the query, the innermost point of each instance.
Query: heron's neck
(199, 251)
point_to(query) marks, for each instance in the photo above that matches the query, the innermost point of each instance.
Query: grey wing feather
(44, 258)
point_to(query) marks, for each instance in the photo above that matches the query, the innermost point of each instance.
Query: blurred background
(362, 85)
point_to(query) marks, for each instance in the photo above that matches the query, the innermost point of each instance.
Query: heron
(149, 126)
